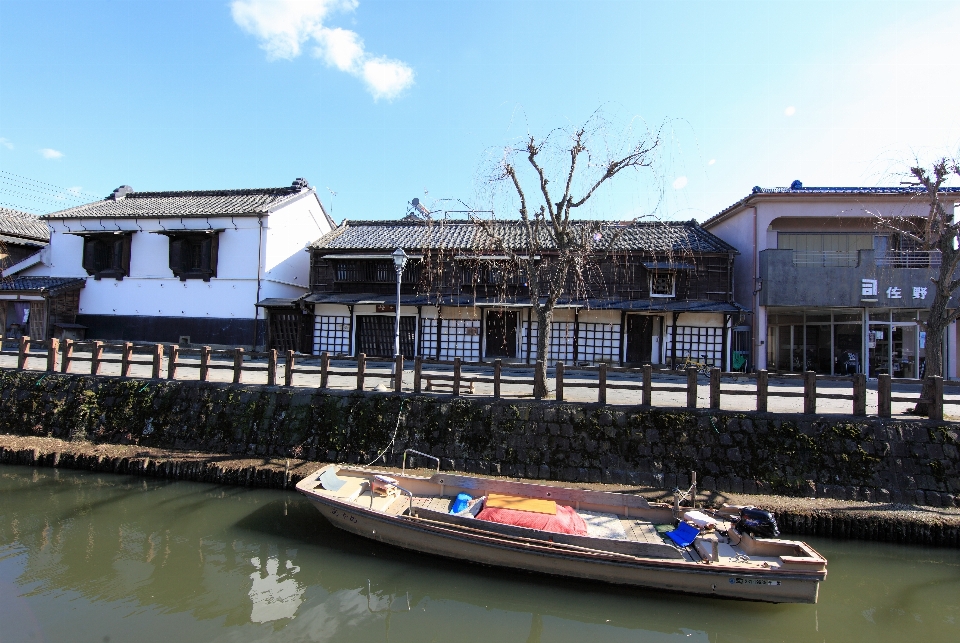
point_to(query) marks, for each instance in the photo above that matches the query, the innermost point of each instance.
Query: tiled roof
(126, 203)
(798, 190)
(386, 236)
(38, 284)
(14, 223)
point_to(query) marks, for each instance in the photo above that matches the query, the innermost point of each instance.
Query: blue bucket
(460, 503)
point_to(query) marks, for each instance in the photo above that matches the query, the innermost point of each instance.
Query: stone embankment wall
(870, 459)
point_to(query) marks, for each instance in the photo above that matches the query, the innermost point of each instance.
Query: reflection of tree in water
(536, 629)
(275, 596)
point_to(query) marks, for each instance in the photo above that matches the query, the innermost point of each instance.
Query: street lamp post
(399, 261)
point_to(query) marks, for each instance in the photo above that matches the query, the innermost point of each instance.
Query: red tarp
(566, 520)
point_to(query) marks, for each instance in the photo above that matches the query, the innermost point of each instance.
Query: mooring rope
(393, 439)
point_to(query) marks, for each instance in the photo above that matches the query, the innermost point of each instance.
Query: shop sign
(386, 308)
(871, 288)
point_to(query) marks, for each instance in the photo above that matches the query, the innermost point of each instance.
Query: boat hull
(486, 548)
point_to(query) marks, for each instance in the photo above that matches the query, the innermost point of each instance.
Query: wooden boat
(415, 515)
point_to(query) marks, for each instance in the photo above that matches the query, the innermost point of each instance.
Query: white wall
(152, 289)
(287, 232)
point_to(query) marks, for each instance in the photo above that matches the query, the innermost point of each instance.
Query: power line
(56, 188)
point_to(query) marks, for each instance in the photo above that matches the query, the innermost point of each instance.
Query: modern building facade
(187, 267)
(832, 285)
(658, 293)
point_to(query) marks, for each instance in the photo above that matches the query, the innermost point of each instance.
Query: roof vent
(300, 184)
(120, 192)
(756, 189)
(796, 185)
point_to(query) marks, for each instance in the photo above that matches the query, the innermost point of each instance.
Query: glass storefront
(833, 342)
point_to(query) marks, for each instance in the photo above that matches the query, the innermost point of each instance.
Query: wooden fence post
(883, 395)
(361, 369)
(237, 365)
(157, 361)
(497, 365)
(714, 388)
(859, 394)
(398, 374)
(762, 391)
(691, 387)
(456, 376)
(559, 381)
(647, 385)
(272, 367)
(324, 369)
(24, 352)
(204, 363)
(125, 359)
(936, 403)
(67, 355)
(95, 357)
(417, 374)
(172, 362)
(537, 368)
(602, 385)
(53, 351)
(288, 369)
(809, 392)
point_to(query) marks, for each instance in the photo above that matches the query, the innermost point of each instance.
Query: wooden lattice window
(107, 255)
(663, 284)
(194, 254)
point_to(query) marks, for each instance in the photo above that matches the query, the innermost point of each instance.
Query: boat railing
(401, 490)
(403, 467)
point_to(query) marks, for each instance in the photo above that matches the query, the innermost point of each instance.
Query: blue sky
(380, 101)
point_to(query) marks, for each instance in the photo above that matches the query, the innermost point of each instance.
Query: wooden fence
(60, 356)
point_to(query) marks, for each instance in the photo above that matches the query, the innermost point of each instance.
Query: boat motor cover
(684, 534)
(757, 522)
(565, 521)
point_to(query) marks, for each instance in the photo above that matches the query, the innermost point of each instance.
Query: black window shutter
(123, 265)
(214, 252)
(205, 259)
(176, 256)
(89, 255)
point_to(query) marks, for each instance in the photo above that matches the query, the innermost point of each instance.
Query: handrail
(403, 467)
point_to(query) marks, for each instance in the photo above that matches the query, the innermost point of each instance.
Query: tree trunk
(545, 328)
(936, 327)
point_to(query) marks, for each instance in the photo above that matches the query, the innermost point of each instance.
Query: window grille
(428, 338)
(662, 284)
(704, 345)
(598, 342)
(561, 342)
(460, 338)
(331, 334)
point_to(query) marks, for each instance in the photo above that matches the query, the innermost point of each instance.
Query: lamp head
(399, 258)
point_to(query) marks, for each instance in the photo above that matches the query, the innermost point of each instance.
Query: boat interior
(616, 523)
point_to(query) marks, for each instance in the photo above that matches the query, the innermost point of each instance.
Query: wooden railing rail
(62, 355)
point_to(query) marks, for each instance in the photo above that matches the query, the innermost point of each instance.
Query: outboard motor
(757, 523)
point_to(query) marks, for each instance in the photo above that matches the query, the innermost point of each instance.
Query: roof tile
(14, 223)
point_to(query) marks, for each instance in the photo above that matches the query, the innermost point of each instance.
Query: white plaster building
(185, 267)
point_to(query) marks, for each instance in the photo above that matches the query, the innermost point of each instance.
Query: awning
(667, 265)
(278, 303)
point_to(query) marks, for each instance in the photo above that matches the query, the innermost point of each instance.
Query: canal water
(110, 559)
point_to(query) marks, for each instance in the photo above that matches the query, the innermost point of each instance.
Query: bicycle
(702, 368)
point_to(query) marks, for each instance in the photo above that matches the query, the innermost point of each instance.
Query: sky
(376, 102)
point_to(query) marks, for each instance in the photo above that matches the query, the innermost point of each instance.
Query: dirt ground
(299, 468)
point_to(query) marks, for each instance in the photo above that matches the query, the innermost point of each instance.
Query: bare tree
(938, 231)
(554, 249)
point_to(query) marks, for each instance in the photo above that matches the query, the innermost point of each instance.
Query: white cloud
(283, 27)
(680, 183)
(711, 161)
(7, 144)
(48, 153)
(790, 111)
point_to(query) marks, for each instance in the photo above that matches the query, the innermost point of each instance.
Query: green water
(111, 559)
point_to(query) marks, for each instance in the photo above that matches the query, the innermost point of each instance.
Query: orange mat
(535, 505)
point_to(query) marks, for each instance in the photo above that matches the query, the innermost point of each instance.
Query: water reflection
(274, 596)
(84, 556)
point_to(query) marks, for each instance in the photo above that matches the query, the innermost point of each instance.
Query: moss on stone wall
(811, 455)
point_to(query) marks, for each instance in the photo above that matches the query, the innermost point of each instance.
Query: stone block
(919, 498)
(883, 495)
(734, 454)
(549, 415)
(593, 475)
(670, 481)
(543, 472)
(935, 451)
